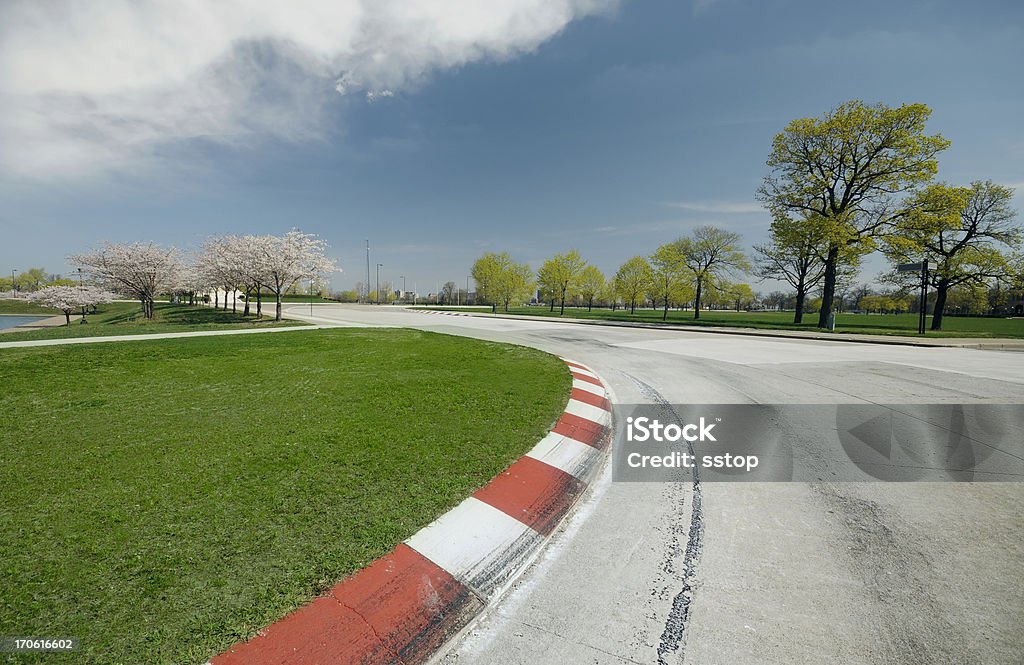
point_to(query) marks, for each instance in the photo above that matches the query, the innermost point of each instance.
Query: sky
(439, 130)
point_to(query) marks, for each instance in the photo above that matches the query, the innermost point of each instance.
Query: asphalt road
(760, 572)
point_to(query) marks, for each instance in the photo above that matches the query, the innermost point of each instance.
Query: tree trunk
(632, 306)
(563, 302)
(277, 311)
(828, 292)
(248, 297)
(941, 291)
(696, 300)
(216, 299)
(234, 300)
(259, 302)
(801, 295)
(67, 317)
(590, 304)
(552, 304)
(664, 316)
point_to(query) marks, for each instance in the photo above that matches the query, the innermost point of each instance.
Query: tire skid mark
(673, 637)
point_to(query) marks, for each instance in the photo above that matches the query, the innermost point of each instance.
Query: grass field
(125, 318)
(17, 306)
(164, 499)
(877, 324)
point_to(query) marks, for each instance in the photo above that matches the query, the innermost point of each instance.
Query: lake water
(11, 320)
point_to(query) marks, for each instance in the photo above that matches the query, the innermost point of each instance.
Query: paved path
(784, 572)
(171, 335)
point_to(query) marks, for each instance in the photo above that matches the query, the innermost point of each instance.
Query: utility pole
(367, 296)
(379, 265)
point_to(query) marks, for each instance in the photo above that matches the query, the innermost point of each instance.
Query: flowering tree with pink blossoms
(141, 270)
(69, 298)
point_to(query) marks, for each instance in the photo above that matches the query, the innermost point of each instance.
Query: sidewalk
(143, 337)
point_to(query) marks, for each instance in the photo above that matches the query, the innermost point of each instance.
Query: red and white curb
(406, 604)
(435, 311)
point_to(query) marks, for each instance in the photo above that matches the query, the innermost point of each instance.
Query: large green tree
(967, 231)
(670, 279)
(500, 280)
(591, 285)
(708, 255)
(632, 280)
(850, 171)
(560, 275)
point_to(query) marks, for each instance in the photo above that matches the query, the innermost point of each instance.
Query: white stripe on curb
(589, 387)
(477, 544)
(588, 411)
(562, 452)
(584, 372)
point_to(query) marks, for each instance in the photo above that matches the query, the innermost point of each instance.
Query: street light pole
(402, 277)
(81, 286)
(367, 298)
(467, 289)
(379, 266)
(14, 289)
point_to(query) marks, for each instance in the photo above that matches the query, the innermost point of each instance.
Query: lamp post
(14, 288)
(402, 277)
(467, 289)
(379, 266)
(367, 298)
(81, 286)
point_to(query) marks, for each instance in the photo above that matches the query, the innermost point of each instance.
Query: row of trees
(251, 264)
(858, 180)
(31, 280)
(683, 272)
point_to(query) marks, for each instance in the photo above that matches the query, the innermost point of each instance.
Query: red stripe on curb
(600, 401)
(399, 609)
(588, 379)
(572, 364)
(583, 430)
(535, 493)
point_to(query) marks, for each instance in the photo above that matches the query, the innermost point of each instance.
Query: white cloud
(718, 207)
(112, 84)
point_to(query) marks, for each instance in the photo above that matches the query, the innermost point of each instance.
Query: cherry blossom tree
(221, 265)
(282, 261)
(69, 298)
(142, 270)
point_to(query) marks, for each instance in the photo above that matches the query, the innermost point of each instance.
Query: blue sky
(606, 127)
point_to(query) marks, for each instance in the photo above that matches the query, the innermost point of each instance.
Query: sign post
(923, 267)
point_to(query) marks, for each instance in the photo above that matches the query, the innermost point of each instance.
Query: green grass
(125, 318)
(17, 306)
(162, 499)
(877, 324)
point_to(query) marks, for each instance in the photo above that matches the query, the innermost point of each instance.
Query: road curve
(760, 572)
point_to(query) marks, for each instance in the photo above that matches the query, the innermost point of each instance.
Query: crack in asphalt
(674, 634)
